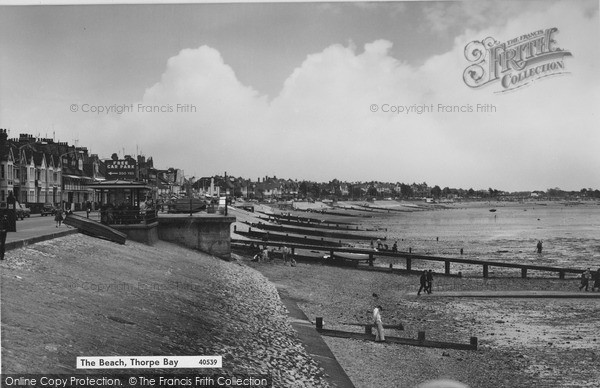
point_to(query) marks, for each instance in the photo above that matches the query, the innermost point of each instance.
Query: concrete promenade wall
(205, 232)
(143, 233)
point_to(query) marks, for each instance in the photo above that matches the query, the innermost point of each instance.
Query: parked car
(48, 210)
(22, 211)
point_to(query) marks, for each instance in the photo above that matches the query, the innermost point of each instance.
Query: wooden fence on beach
(409, 258)
(419, 341)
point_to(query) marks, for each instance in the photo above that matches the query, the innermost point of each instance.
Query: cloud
(321, 126)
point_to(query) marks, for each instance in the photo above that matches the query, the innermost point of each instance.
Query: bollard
(408, 264)
(368, 329)
(234, 228)
(523, 273)
(409, 250)
(319, 322)
(447, 267)
(461, 251)
(370, 259)
(391, 266)
(485, 271)
(421, 337)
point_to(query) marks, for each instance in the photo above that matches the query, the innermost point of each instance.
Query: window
(2, 196)
(2, 173)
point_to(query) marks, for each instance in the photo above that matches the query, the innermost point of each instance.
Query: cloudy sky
(306, 90)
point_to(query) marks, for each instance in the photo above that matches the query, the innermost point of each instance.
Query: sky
(317, 91)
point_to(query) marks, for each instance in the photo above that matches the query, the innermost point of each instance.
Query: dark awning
(119, 184)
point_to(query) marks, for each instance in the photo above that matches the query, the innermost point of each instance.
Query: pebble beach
(80, 296)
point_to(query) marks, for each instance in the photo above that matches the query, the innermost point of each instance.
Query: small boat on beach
(492, 210)
(350, 258)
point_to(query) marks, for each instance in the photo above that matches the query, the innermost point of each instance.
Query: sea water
(570, 234)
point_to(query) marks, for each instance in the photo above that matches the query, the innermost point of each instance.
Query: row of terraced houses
(39, 170)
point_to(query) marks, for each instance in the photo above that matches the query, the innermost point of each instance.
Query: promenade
(36, 229)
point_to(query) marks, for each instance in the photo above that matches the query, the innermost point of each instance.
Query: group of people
(384, 247)
(263, 255)
(586, 276)
(426, 281)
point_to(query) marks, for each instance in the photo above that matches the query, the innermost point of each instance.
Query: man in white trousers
(379, 337)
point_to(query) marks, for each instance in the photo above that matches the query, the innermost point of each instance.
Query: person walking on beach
(285, 254)
(265, 254)
(3, 232)
(380, 336)
(429, 282)
(423, 281)
(539, 246)
(58, 217)
(585, 279)
(596, 280)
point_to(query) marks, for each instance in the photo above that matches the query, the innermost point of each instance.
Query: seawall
(205, 232)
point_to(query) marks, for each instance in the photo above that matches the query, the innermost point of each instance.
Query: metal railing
(118, 216)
